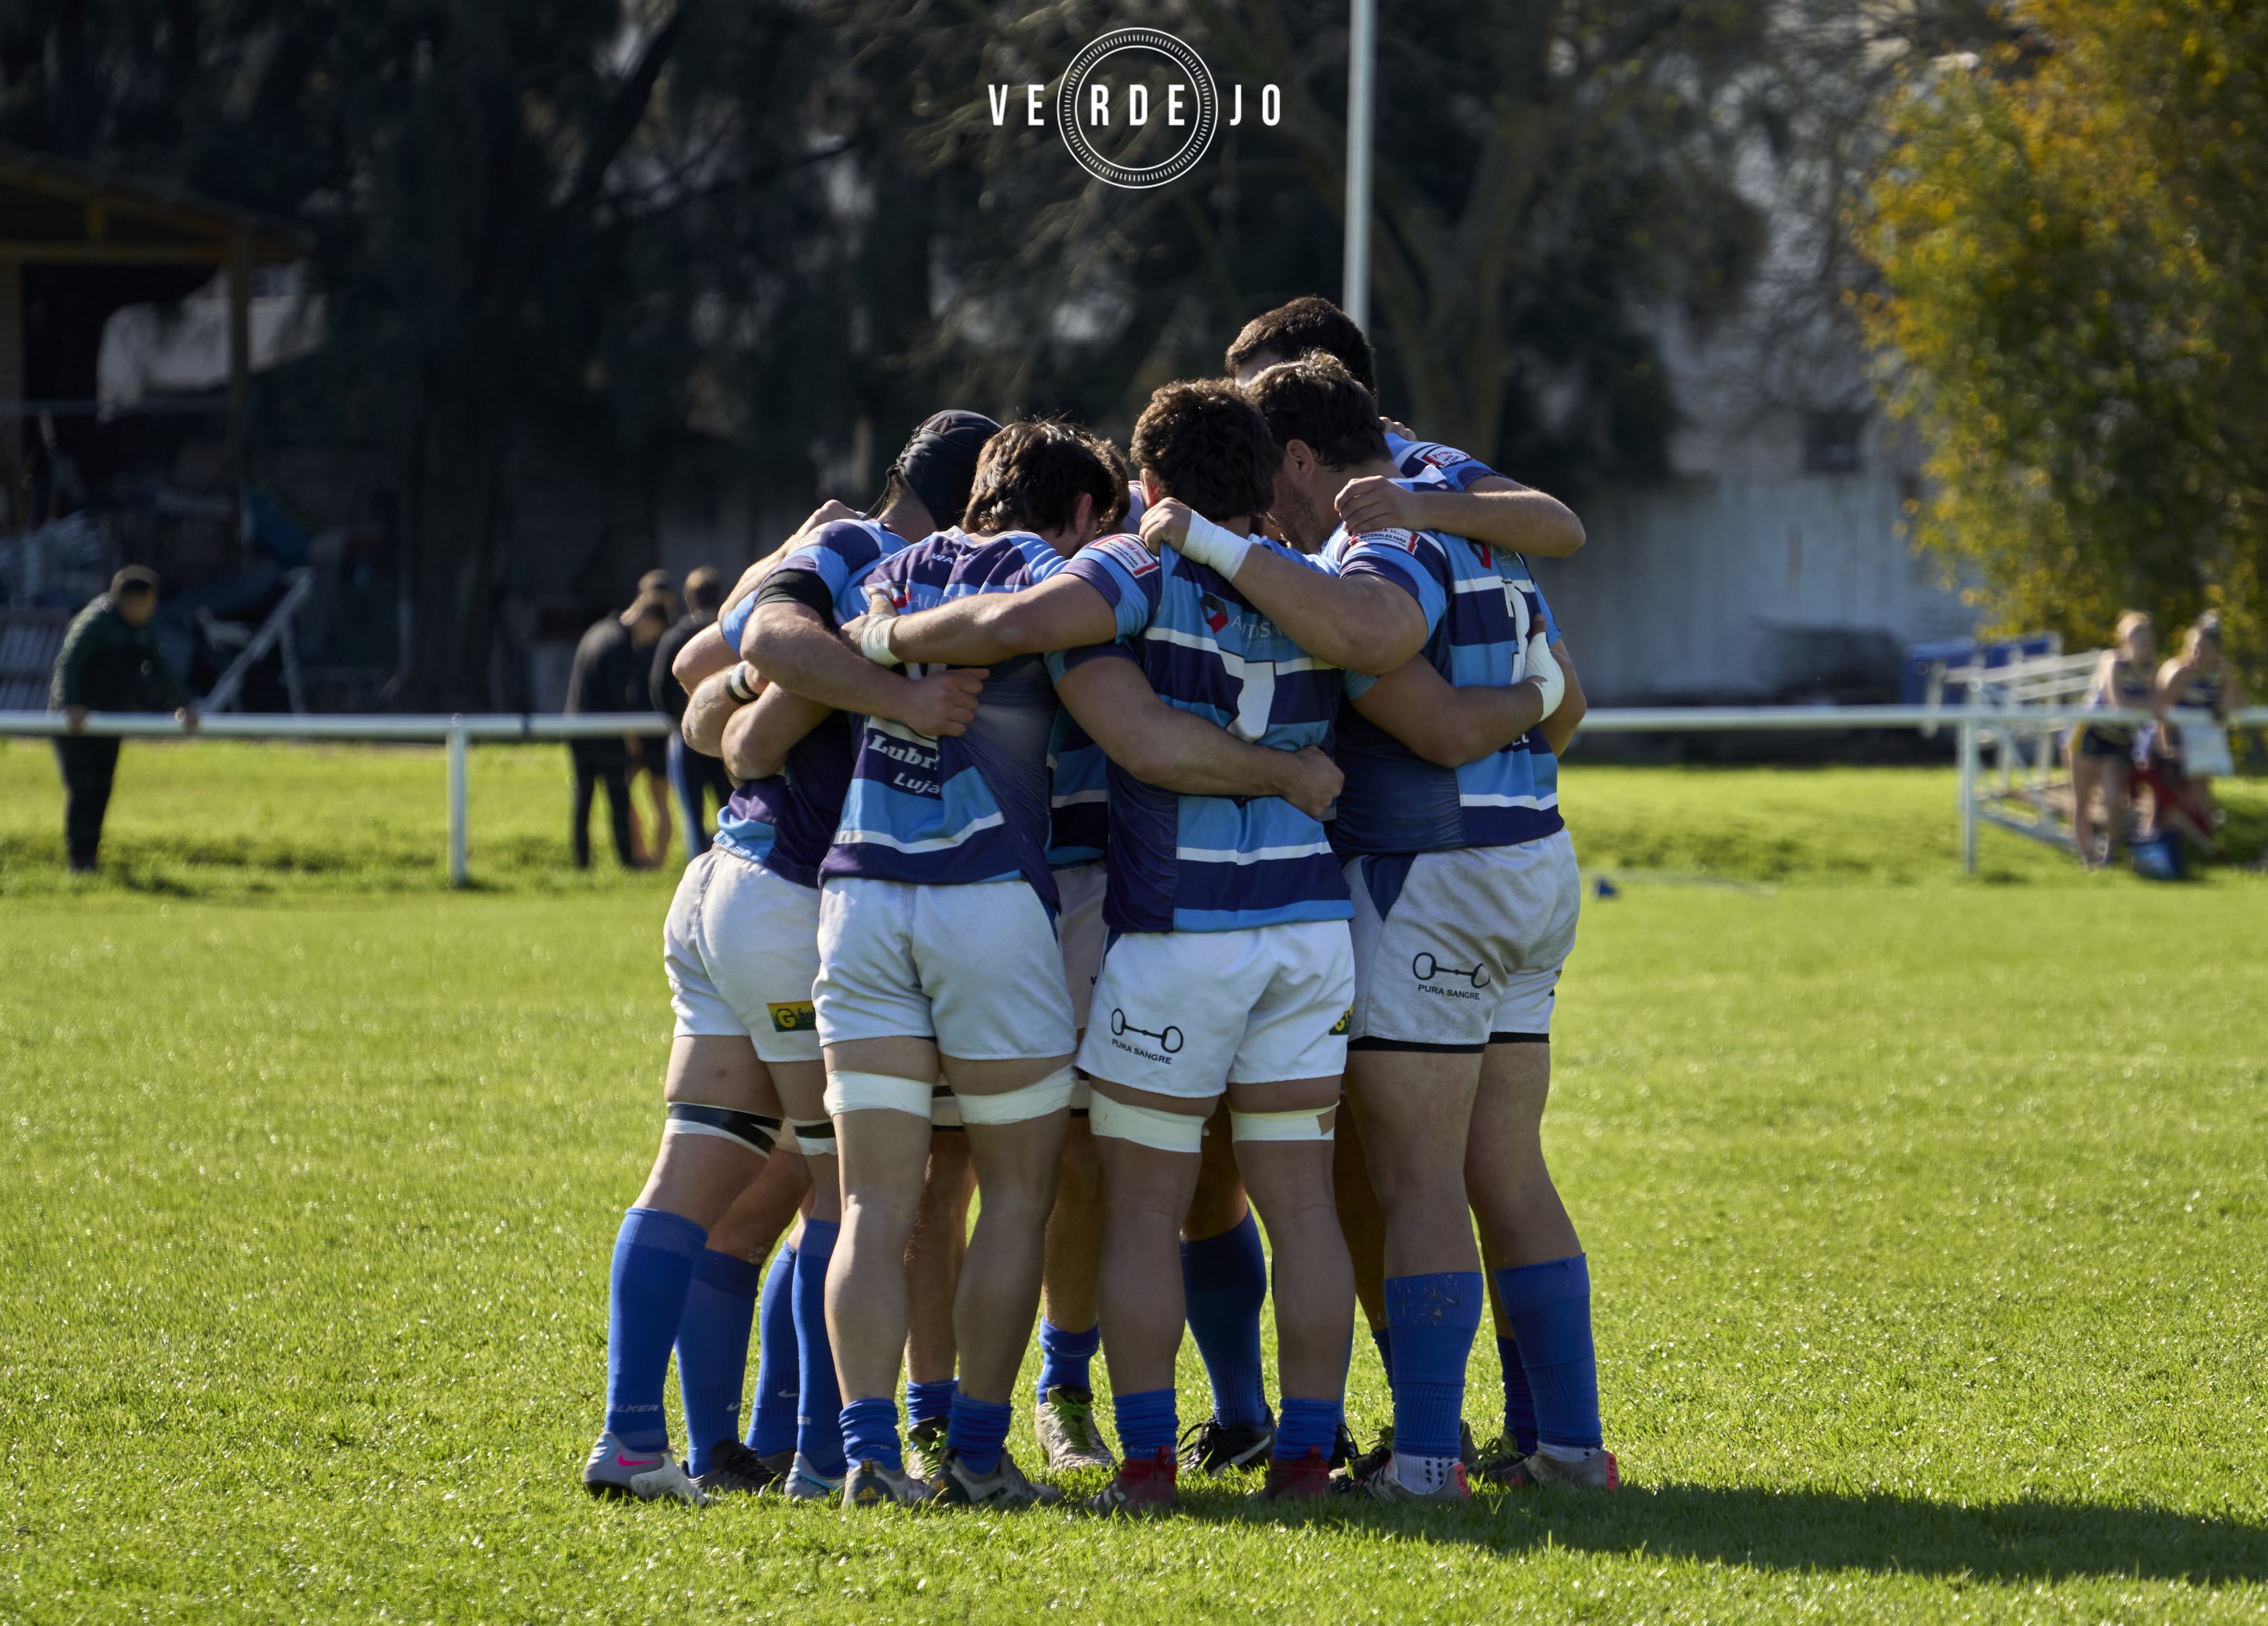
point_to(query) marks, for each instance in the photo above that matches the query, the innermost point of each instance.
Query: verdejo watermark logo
(1128, 93)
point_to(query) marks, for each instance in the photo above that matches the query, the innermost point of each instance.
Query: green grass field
(1927, 1217)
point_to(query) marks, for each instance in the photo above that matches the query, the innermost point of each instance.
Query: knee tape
(1037, 1099)
(814, 1137)
(877, 1092)
(1146, 1126)
(944, 1108)
(753, 1131)
(1308, 1125)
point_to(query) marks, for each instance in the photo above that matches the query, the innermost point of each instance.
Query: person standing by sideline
(693, 777)
(609, 675)
(109, 662)
(2103, 754)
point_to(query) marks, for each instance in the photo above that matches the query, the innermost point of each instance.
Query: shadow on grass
(1773, 1530)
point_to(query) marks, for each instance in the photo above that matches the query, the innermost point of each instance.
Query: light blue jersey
(1481, 606)
(1429, 465)
(785, 822)
(1210, 862)
(973, 807)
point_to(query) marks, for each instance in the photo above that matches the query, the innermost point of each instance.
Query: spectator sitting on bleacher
(109, 662)
(2103, 754)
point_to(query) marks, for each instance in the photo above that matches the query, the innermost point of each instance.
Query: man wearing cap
(109, 662)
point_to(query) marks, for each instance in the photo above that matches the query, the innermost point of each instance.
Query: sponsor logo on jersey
(1128, 553)
(1216, 612)
(1345, 1023)
(793, 1016)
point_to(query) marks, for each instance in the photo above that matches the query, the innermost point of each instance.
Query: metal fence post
(1968, 797)
(457, 802)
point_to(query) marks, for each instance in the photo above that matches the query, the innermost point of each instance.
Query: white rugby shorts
(1188, 1013)
(741, 949)
(974, 968)
(1080, 930)
(1471, 945)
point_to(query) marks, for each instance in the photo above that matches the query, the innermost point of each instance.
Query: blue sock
(1519, 1400)
(1224, 1284)
(772, 1429)
(978, 1429)
(1064, 1356)
(1383, 1337)
(713, 1351)
(1146, 1423)
(1434, 1319)
(819, 1402)
(653, 1266)
(1305, 1423)
(1550, 1308)
(929, 1402)
(870, 1432)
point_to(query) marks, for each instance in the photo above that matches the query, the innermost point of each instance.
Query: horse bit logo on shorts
(793, 1016)
(1170, 1040)
(1424, 968)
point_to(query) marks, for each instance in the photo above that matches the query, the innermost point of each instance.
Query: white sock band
(1215, 545)
(814, 1137)
(1037, 1099)
(1306, 1125)
(1146, 1126)
(877, 1092)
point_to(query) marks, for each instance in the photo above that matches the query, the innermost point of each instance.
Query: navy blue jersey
(1481, 606)
(1210, 862)
(1435, 467)
(785, 822)
(973, 807)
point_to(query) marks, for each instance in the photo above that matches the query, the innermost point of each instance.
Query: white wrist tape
(1216, 546)
(1146, 1126)
(1546, 673)
(814, 1137)
(1049, 1094)
(874, 640)
(877, 1092)
(1309, 1125)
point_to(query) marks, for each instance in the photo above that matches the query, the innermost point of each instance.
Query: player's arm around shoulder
(713, 703)
(1566, 717)
(1064, 612)
(793, 640)
(756, 738)
(1178, 751)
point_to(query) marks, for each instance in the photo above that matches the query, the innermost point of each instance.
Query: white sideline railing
(456, 732)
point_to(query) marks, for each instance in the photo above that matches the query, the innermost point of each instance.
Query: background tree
(2073, 236)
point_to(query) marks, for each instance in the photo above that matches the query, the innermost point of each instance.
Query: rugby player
(1465, 896)
(740, 949)
(1229, 969)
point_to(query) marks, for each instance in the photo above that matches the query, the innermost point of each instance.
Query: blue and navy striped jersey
(1429, 464)
(1481, 606)
(973, 807)
(1078, 796)
(786, 821)
(1210, 862)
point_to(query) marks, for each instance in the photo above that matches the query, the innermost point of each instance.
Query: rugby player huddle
(1096, 841)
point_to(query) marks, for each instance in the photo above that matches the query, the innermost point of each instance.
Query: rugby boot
(735, 1469)
(871, 1484)
(803, 1483)
(925, 1450)
(1218, 1447)
(1385, 1485)
(1378, 1456)
(1005, 1487)
(1069, 1434)
(1345, 1449)
(1144, 1485)
(614, 1471)
(1599, 1471)
(1304, 1479)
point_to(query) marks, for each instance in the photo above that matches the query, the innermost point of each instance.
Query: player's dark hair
(133, 582)
(652, 605)
(1031, 476)
(704, 590)
(1314, 398)
(1205, 443)
(1114, 464)
(1310, 322)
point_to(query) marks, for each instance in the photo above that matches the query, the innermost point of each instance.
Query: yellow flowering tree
(2072, 235)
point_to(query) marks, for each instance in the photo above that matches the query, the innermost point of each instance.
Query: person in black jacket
(109, 662)
(609, 675)
(693, 777)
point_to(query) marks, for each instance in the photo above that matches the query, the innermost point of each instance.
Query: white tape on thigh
(814, 1137)
(877, 1092)
(1049, 1094)
(1146, 1126)
(1306, 1125)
